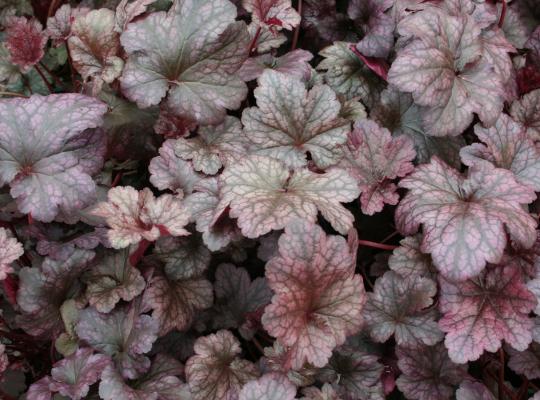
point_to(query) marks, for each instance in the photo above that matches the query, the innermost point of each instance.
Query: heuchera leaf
(399, 306)
(43, 290)
(444, 69)
(47, 153)
(25, 41)
(72, 376)
(94, 47)
(59, 25)
(527, 111)
(214, 146)
(526, 362)
(376, 25)
(237, 295)
(374, 158)
(175, 302)
(216, 372)
(168, 171)
(134, 216)
(408, 259)
(290, 121)
(160, 382)
(184, 257)
(457, 213)
(126, 12)
(276, 14)
(191, 53)
(428, 373)
(473, 391)
(270, 386)
(318, 299)
(122, 334)
(294, 63)
(111, 279)
(506, 146)
(326, 392)
(479, 313)
(264, 195)
(10, 250)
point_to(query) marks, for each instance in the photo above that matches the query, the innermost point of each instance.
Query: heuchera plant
(269, 199)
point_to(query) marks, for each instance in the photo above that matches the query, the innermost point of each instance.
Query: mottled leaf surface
(10, 250)
(269, 387)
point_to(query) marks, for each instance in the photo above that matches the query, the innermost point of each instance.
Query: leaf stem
(503, 14)
(139, 253)
(55, 78)
(375, 245)
(297, 29)
(253, 43)
(501, 374)
(6, 93)
(42, 75)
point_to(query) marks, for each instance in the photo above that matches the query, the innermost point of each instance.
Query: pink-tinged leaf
(214, 146)
(518, 21)
(270, 386)
(507, 146)
(122, 334)
(464, 219)
(184, 257)
(25, 41)
(526, 362)
(408, 259)
(277, 359)
(47, 152)
(59, 25)
(169, 171)
(57, 248)
(533, 44)
(378, 65)
(527, 112)
(264, 195)
(4, 361)
(200, 82)
(42, 291)
(473, 391)
(326, 392)
(348, 75)
(377, 26)
(72, 376)
(446, 72)
(161, 382)
(397, 113)
(398, 306)
(216, 372)
(276, 14)
(39, 390)
(294, 63)
(428, 373)
(237, 296)
(173, 126)
(10, 250)
(374, 158)
(176, 302)
(207, 212)
(94, 48)
(126, 12)
(290, 121)
(134, 216)
(111, 279)
(355, 373)
(497, 51)
(318, 300)
(265, 38)
(479, 313)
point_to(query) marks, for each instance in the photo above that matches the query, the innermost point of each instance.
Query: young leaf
(42, 291)
(508, 146)
(123, 334)
(126, 12)
(264, 195)
(59, 25)
(398, 306)
(176, 302)
(479, 313)
(270, 386)
(408, 259)
(527, 112)
(216, 372)
(168, 171)
(25, 41)
(526, 362)
(456, 213)
(276, 14)
(73, 376)
(134, 216)
(294, 63)
(191, 53)
(112, 279)
(47, 153)
(374, 158)
(214, 146)
(290, 121)
(94, 48)
(428, 373)
(318, 299)
(10, 250)
(376, 25)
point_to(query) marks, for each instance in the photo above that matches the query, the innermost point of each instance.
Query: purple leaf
(294, 63)
(473, 391)
(377, 26)
(527, 112)
(276, 14)
(526, 362)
